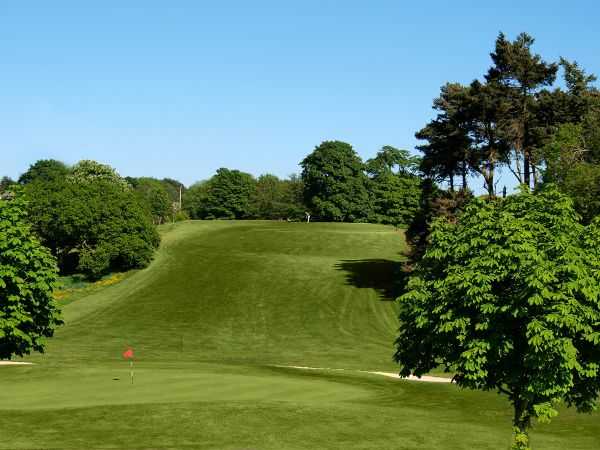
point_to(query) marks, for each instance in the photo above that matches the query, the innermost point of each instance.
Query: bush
(28, 276)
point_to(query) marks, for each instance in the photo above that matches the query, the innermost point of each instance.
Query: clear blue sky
(182, 88)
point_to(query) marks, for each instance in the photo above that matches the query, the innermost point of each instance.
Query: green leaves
(28, 275)
(91, 222)
(509, 297)
(335, 185)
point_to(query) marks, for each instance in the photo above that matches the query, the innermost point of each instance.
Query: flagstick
(131, 369)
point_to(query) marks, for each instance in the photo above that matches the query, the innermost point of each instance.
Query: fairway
(223, 306)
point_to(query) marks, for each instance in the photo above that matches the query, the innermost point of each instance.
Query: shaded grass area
(385, 276)
(221, 304)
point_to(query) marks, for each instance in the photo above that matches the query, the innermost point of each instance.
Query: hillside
(219, 308)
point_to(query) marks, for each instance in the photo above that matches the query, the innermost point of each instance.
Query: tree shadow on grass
(387, 277)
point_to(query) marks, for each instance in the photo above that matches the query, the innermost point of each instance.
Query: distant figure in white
(307, 217)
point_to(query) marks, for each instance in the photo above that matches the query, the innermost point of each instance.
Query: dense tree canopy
(394, 186)
(28, 275)
(154, 195)
(335, 183)
(5, 183)
(506, 119)
(227, 195)
(44, 170)
(508, 298)
(92, 224)
(88, 171)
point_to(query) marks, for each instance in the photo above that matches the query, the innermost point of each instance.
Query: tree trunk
(451, 183)
(522, 423)
(464, 177)
(526, 170)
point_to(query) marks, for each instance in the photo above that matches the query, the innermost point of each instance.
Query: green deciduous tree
(154, 195)
(277, 199)
(92, 226)
(394, 186)
(335, 183)
(227, 195)
(267, 198)
(194, 199)
(28, 275)
(508, 298)
(44, 170)
(88, 171)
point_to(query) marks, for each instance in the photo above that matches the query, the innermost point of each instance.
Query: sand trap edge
(15, 363)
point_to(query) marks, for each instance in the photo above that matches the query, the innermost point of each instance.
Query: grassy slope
(224, 301)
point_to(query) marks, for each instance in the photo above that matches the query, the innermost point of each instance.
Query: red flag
(128, 354)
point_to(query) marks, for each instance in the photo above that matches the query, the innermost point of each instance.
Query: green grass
(220, 306)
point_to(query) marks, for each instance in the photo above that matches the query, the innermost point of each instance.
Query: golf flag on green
(128, 354)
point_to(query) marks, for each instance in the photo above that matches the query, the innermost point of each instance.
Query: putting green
(222, 304)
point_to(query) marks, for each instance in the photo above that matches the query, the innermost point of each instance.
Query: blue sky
(179, 89)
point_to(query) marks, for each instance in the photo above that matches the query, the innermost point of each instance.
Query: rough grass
(221, 304)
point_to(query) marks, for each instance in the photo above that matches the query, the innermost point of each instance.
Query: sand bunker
(424, 378)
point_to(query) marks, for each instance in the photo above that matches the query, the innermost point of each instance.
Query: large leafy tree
(194, 199)
(92, 225)
(89, 171)
(154, 195)
(28, 275)
(335, 183)
(227, 195)
(267, 199)
(174, 188)
(277, 199)
(508, 298)
(293, 197)
(394, 186)
(45, 170)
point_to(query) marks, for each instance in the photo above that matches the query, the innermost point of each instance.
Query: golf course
(215, 319)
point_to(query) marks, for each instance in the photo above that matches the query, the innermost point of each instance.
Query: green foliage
(446, 153)
(28, 276)
(276, 199)
(520, 440)
(507, 119)
(567, 154)
(94, 226)
(227, 195)
(5, 184)
(88, 171)
(194, 198)
(180, 216)
(154, 195)
(394, 187)
(335, 184)
(508, 297)
(173, 187)
(44, 170)
(434, 203)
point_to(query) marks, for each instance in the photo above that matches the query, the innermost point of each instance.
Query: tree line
(504, 291)
(95, 221)
(335, 185)
(517, 117)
